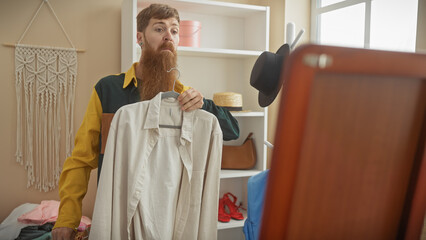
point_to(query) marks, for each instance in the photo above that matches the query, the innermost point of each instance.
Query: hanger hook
(174, 68)
(174, 82)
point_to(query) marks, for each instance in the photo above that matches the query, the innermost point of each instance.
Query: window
(377, 24)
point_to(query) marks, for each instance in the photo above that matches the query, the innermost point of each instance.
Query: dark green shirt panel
(112, 95)
(227, 122)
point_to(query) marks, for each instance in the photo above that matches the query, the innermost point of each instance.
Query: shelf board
(209, 7)
(233, 223)
(224, 173)
(247, 114)
(215, 52)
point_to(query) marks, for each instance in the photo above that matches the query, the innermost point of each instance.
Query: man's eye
(175, 31)
(158, 29)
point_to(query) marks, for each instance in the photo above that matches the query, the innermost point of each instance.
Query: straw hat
(265, 75)
(229, 100)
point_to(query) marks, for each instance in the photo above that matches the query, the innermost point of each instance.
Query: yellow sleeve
(180, 88)
(75, 174)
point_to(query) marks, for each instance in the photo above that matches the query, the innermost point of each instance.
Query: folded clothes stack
(35, 221)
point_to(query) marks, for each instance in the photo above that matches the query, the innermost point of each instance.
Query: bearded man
(158, 36)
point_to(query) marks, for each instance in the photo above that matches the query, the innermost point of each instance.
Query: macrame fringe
(44, 78)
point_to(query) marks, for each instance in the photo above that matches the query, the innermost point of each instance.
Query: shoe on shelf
(223, 216)
(232, 206)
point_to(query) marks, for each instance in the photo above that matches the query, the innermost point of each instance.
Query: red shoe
(223, 216)
(233, 208)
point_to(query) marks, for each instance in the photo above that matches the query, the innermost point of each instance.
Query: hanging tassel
(45, 75)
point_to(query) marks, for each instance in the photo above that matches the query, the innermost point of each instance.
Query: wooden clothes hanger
(171, 94)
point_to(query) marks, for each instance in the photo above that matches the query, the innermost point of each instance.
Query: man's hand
(63, 233)
(191, 99)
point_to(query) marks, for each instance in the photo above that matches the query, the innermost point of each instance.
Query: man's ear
(139, 37)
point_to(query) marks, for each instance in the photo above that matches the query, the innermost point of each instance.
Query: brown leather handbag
(239, 157)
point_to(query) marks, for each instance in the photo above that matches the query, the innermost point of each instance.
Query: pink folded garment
(85, 222)
(46, 212)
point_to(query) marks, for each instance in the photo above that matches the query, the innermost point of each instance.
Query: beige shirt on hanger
(159, 183)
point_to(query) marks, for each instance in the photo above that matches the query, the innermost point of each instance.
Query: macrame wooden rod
(14, 45)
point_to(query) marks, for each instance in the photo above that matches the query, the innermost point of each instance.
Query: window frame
(316, 11)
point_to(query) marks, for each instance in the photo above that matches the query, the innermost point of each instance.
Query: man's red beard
(155, 64)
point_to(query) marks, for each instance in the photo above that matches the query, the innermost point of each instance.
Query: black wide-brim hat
(265, 75)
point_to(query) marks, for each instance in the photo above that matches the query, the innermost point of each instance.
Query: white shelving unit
(232, 224)
(232, 37)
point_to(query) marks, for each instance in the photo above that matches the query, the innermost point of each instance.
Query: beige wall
(298, 12)
(93, 25)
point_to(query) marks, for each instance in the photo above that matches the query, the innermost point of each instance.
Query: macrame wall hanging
(45, 84)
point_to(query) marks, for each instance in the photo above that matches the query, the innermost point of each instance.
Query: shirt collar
(130, 76)
(153, 118)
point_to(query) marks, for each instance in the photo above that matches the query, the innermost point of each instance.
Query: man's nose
(168, 36)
